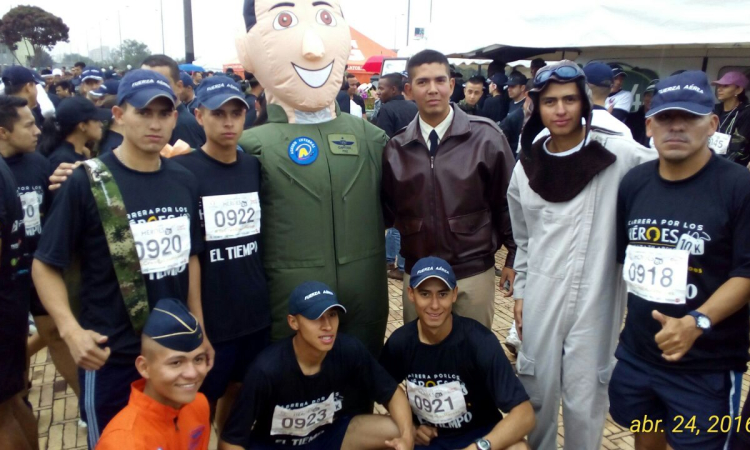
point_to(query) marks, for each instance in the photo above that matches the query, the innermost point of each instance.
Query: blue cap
(214, 92)
(617, 70)
(499, 78)
(599, 74)
(688, 91)
(18, 75)
(517, 79)
(172, 326)
(312, 299)
(140, 87)
(109, 87)
(432, 267)
(187, 80)
(94, 74)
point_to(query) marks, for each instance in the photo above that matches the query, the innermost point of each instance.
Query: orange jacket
(146, 424)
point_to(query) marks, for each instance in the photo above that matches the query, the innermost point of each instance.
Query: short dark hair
(9, 110)
(394, 79)
(427, 57)
(163, 61)
(477, 79)
(538, 63)
(80, 64)
(65, 85)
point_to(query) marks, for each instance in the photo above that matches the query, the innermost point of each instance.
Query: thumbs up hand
(677, 336)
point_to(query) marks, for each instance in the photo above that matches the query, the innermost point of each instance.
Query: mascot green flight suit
(321, 170)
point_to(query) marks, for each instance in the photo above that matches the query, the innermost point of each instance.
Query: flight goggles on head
(562, 71)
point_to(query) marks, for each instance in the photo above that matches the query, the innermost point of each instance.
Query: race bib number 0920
(303, 421)
(162, 245)
(657, 274)
(437, 404)
(231, 216)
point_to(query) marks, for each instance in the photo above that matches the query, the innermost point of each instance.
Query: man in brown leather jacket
(445, 178)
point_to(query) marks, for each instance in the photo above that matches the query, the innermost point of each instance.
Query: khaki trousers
(476, 298)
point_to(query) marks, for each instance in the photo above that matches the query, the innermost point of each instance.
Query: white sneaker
(512, 342)
(82, 424)
(32, 325)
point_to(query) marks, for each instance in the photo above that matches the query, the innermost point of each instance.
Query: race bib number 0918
(162, 245)
(437, 404)
(303, 421)
(231, 216)
(657, 274)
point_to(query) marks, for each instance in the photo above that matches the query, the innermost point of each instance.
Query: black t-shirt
(235, 294)
(14, 269)
(111, 141)
(471, 355)
(187, 129)
(496, 108)
(349, 376)
(711, 210)
(73, 226)
(64, 153)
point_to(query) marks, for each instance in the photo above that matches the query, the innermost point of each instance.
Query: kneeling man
(305, 391)
(457, 376)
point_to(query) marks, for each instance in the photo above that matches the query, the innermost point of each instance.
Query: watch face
(704, 323)
(484, 444)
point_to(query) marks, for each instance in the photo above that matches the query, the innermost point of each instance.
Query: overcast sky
(215, 23)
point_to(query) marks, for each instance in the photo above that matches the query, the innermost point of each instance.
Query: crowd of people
(200, 253)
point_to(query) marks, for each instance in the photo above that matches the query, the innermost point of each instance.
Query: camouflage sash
(120, 240)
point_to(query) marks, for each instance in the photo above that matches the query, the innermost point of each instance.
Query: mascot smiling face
(297, 50)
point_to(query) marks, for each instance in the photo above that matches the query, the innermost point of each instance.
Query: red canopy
(364, 53)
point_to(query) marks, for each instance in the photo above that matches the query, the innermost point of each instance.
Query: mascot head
(297, 50)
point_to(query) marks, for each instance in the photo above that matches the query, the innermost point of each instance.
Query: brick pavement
(56, 407)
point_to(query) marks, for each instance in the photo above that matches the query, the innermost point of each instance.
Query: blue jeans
(393, 247)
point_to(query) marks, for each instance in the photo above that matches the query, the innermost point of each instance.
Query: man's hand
(58, 177)
(677, 336)
(401, 443)
(509, 275)
(425, 434)
(518, 316)
(84, 347)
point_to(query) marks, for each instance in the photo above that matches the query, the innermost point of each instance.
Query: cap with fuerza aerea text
(140, 87)
(688, 91)
(432, 267)
(312, 299)
(214, 92)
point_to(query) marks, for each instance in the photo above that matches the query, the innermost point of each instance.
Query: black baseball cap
(214, 92)
(18, 75)
(617, 71)
(312, 299)
(688, 91)
(173, 326)
(74, 110)
(499, 79)
(517, 79)
(140, 87)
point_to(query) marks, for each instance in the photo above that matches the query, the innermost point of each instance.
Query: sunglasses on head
(562, 73)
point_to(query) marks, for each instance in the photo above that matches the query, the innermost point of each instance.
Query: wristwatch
(702, 321)
(483, 444)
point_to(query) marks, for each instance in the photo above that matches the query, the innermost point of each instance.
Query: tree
(32, 25)
(69, 60)
(41, 59)
(131, 52)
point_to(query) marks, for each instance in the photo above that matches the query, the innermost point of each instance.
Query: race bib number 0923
(162, 245)
(657, 274)
(303, 421)
(437, 404)
(231, 216)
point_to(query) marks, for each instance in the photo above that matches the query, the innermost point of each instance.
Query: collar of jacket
(459, 127)
(561, 178)
(276, 113)
(396, 98)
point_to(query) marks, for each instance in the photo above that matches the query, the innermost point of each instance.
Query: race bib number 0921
(303, 421)
(231, 216)
(657, 274)
(437, 404)
(162, 245)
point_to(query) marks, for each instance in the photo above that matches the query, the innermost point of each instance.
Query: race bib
(437, 404)
(719, 143)
(303, 421)
(657, 274)
(162, 245)
(31, 215)
(231, 216)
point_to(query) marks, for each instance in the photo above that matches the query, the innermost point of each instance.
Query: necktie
(433, 143)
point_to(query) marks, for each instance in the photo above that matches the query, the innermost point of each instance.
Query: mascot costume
(321, 169)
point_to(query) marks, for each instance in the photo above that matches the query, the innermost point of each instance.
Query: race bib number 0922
(303, 421)
(231, 216)
(162, 245)
(437, 404)
(657, 274)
